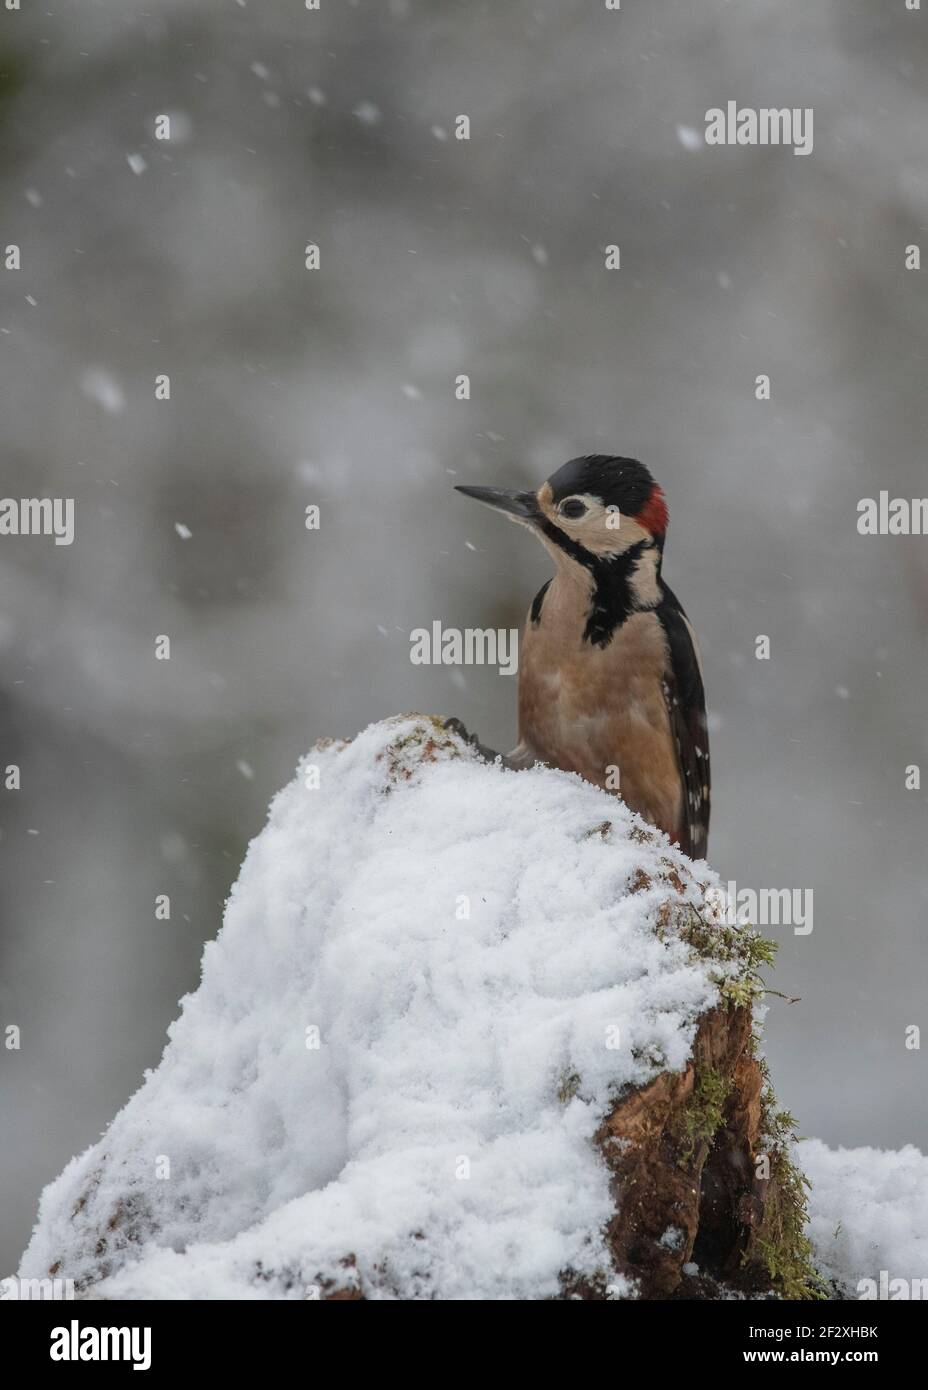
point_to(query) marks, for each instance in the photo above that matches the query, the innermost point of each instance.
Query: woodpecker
(610, 681)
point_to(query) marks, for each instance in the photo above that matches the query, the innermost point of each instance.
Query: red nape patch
(653, 515)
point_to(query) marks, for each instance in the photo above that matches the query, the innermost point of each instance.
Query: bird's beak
(521, 506)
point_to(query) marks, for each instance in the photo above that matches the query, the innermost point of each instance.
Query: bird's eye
(573, 508)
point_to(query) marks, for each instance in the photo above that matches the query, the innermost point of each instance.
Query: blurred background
(439, 256)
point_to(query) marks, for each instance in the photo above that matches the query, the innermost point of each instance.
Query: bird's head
(592, 510)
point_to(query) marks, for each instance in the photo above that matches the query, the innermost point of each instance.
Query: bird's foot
(456, 726)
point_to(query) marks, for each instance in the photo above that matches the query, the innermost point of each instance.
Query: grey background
(336, 387)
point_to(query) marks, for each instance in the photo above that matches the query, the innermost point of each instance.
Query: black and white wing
(686, 708)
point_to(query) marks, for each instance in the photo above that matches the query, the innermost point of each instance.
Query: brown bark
(667, 1178)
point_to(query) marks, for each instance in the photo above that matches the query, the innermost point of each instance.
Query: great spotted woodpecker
(610, 683)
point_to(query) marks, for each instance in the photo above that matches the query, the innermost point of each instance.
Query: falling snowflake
(100, 386)
(368, 114)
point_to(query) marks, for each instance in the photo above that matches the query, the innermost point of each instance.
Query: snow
(415, 957)
(368, 114)
(101, 386)
(365, 1086)
(690, 138)
(868, 1212)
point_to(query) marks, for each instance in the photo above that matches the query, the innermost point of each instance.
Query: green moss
(568, 1087)
(737, 956)
(780, 1252)
(704, 1112)
(739, 952)
(784, 1248)
(651, 1055)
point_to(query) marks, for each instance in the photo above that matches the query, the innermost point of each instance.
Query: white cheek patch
(604, 538)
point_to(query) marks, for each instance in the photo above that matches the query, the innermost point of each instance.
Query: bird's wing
(686, 709)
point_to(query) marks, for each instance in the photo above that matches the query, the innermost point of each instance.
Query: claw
(456, 726)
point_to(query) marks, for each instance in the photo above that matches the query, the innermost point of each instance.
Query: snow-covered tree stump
(465, 1033)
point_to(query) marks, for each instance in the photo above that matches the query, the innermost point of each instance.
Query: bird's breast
(601, 711)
